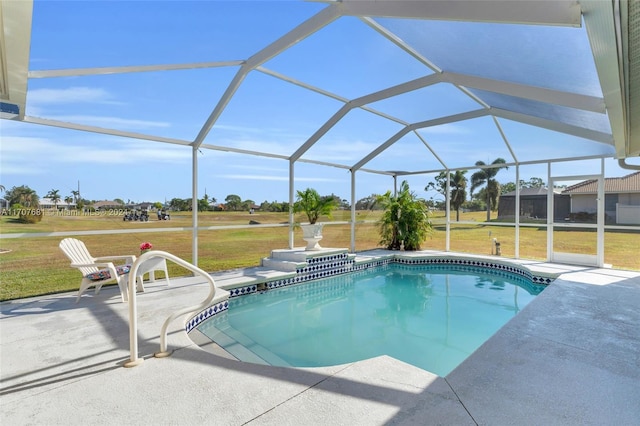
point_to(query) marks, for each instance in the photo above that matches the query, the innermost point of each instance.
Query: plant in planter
(405, 222)
(313, 206)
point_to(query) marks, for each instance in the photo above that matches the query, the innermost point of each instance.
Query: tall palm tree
(458, 184)
(54, 195)
(457, 188)
(486, 176)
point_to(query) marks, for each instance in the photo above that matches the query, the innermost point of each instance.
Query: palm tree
(28, 197)
(314, 205)
(486, 175)
(54, 196)
(458, 184)
(458, 188)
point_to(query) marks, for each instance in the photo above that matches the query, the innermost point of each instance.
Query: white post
(447, 209)
(517, 212)
(601, 217)
(134, 360)
(291, 190)
(549, 213)
(352, 248)
(194, 207)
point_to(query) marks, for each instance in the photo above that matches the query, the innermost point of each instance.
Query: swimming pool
(431, 316)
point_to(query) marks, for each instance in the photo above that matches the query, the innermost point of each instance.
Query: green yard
(36, 266)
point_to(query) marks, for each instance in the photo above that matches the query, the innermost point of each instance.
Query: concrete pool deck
(572, 356)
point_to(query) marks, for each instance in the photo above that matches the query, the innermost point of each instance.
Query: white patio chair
(97, 271)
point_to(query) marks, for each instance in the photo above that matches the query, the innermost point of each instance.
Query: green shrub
(405, 222)
(27, 214)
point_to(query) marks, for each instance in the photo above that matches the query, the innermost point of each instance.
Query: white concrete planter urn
(313, 206)
(312, 234)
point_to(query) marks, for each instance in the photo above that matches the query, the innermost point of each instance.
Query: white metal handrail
(133, 313)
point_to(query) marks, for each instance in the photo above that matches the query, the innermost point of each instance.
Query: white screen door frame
(589, 259)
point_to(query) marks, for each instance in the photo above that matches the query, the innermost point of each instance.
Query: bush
(405, 222)
(30, 215)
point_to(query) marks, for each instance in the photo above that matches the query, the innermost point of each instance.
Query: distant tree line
(484, 179)
(486, 198)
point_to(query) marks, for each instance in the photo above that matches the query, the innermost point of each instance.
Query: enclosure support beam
(448, 212)
(291, 225)
(194, 205)
(517, 212)
(601, 218)
(352, 247)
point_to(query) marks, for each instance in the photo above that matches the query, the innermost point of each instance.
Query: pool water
(432, 317)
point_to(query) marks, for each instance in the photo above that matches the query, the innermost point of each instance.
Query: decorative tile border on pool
(243, 291)
(316, 268)
(320, 264)
(479, 263)
(361, 266)
(339, 264)
(206, 314)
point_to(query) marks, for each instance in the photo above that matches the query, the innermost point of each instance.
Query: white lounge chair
(97, 271)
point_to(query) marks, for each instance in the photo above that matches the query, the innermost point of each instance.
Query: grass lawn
(36, 266)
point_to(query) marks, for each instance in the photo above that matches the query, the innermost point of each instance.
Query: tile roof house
(622, 198)
(622, 201)
(533, 204)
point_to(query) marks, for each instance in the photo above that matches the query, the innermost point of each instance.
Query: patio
(570, 357)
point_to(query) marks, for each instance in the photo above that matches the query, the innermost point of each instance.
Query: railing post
(133, 313)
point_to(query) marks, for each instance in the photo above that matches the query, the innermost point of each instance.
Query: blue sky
(347, 58)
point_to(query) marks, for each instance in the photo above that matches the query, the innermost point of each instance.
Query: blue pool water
(432, 317)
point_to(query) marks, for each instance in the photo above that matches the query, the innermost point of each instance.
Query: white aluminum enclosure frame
(607, 24)
(573, 258)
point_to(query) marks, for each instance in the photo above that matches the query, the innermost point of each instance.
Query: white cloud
(72, 95)
(15, 169)
(39, 101)
(256, 145)
(22, 155)
(340, 151)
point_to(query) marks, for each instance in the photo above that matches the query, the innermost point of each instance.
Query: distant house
(621, 199)
(106, 204)
(533, 204)
(140, 206)
(47, 203)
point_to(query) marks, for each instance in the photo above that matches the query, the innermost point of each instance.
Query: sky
(267, 115)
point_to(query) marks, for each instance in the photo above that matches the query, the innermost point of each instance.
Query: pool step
(304, 261)
(302, 255)
(282, 265)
